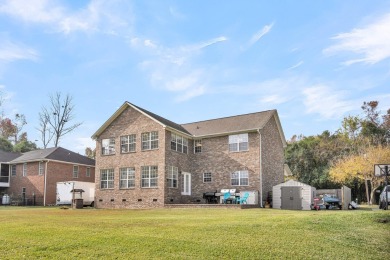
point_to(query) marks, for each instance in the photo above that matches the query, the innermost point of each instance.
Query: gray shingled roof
(8, 156)
(163, 120)
(229, 124)
(55, 153)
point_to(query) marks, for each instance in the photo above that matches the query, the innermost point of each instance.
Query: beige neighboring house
(144, 160)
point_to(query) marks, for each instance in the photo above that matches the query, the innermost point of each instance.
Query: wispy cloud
(371, 43)
(257, 36)
(97, 16)
(174, 69)
(296, 65)
(328, 103)
(10, 52)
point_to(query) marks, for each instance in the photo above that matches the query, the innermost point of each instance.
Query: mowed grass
(55, 233)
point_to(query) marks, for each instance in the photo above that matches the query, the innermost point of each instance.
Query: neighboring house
(144, 160)
(34, 175)
(5, 170)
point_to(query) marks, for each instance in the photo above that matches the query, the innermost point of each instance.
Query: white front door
(186, 188)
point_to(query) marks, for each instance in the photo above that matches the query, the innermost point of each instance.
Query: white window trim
(149, 178)
(211, 177)
(40, 168)
(184, 143)
(149, 141)
(130, 175)
(128, 143)
(239, 178)
(88, 172)
(108, 180)
(13, 166)
(110, 148)
(75, 171)
(199, 145)
(239, 137)
(173, 175)
(186, 190)
(24, 170)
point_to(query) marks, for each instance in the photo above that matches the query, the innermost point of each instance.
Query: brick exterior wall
(215, 158)
(131, 122)
(35, 183)
(272, 157)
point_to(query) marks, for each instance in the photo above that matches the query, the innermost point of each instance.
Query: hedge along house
(34, 175)
(144, 160)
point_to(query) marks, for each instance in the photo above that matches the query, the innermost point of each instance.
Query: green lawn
(56, 233)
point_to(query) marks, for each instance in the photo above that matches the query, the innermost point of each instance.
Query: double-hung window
(149, 140)
(179, 143)
(207, 177)
(127, 178)
(128, 143)
(24, 173)
(240, 178)
(149, 176)
(107, 179)
(108, 146)
(75, 171)
(238, 143)
(13, 170)
(173, 173)
(88, 172)
(198, 146)
(40, 168)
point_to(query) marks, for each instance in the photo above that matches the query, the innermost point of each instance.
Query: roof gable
(8, 156)
(55, 154)
(162, 121)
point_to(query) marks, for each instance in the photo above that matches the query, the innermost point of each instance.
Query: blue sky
(313, 61)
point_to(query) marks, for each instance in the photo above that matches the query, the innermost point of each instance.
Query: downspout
(44, 187)
(260, 170)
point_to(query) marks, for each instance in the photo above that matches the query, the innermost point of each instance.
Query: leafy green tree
(5, 145)
(24, 146)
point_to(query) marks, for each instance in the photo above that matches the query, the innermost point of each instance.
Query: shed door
(291, 198)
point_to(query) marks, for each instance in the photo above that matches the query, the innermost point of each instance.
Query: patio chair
(243, 199)
(226, 197)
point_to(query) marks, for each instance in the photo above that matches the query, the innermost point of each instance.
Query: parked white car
(382, 198)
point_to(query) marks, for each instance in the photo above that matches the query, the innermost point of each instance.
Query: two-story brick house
(144, 160)
(34, 175)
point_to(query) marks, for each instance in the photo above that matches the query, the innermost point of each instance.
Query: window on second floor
(24, 169)
(13, 170)
(40, 168)
(179, 143)
(75, 171)
(108, 146)
(149, 140)
(197, 146)
(128, 143)
(238, 143)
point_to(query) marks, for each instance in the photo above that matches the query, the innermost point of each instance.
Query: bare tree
(55, 118)
(47, 133)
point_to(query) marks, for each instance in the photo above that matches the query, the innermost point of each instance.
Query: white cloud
(97, 16)
(328, 103)
(258, 35)
(371, 43)
(10, 52)
(274, 99)
(295, 65)
(173, 69)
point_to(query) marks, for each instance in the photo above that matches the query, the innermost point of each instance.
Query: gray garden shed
(293, 195)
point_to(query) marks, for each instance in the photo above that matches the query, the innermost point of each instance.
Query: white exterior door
(186, 188)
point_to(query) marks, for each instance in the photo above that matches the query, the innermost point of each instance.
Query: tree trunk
(367, 193)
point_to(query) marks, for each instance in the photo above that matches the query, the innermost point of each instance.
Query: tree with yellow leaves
(361, 167)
